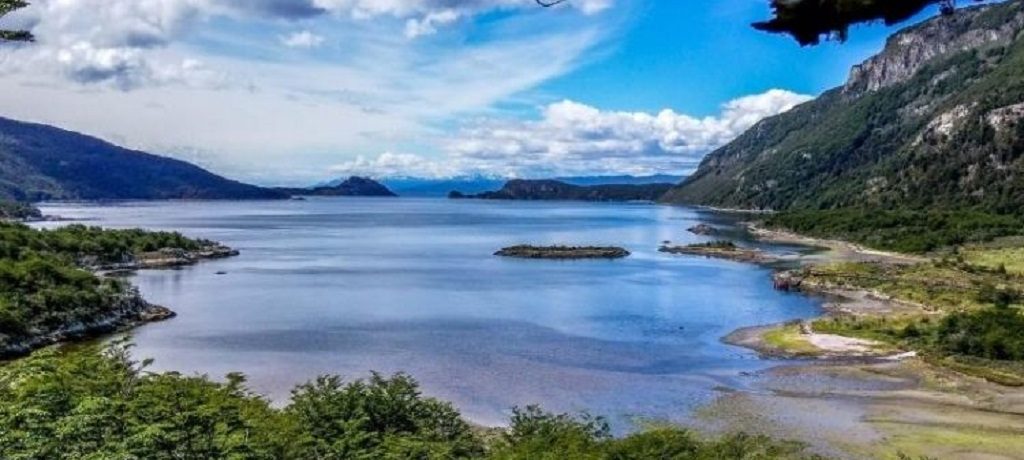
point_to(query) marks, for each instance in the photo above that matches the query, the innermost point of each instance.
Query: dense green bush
(14, 210)
(41, 294)
(94, 403)
(44, 290)
(77, 241)
(994, 333)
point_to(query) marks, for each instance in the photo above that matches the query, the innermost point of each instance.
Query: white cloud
(427, 25)
(302, 39)
(576, 139)
(390, 164)
(573, 138)
(205, 79)
(423, 8)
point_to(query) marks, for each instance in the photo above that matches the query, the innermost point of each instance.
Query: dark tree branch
(7, 6)
(808, 21)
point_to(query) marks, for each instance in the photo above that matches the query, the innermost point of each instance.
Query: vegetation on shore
(900, 230)
(957, 314)
(47, 294)
(99, 403)
(18, 211)
(789, 339)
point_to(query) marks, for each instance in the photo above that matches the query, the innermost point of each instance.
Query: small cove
(348, 286)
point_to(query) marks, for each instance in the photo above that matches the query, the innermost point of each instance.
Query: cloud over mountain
(573, 138)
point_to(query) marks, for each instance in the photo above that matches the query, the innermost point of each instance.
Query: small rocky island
(721, 250)
(563, 252)
(702, 229)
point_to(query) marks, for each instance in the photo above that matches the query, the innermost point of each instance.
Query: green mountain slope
(933, 122)
(39, 162)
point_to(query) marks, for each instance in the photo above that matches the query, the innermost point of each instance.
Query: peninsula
(541, 190)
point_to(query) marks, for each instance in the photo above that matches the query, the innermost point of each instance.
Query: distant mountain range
(933, 122)
(436, 188)
(353, 186)
(420, 187)
(535, 190)
(39, 162)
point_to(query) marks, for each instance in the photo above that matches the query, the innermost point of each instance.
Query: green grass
(787, 339)
(940, 285)
(1002, 373)
(1010, 259)
(916, 441)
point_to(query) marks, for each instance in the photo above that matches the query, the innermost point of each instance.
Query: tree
(7, 6)
(810, 20)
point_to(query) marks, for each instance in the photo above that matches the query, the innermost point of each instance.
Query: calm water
(346, 286)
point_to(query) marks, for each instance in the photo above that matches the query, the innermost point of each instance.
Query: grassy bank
(900, 230)
(956, 311)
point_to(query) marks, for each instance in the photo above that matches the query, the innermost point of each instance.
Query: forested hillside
(935, 122)
(39, 162)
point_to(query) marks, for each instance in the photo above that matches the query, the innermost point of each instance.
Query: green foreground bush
(96, 403)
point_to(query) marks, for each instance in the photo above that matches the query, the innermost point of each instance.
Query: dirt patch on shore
(797, 340)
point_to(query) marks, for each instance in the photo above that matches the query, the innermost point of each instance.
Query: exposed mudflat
(856, 399)
(875, 410)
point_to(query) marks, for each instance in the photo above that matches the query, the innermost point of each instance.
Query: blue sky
(297, 91)
(693, 55)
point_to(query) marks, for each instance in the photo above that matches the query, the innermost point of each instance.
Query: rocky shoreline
(131, 311)
(162, 259)
(563, 252)
(851, 398)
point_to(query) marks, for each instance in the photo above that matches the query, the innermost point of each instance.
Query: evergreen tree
(7, 6)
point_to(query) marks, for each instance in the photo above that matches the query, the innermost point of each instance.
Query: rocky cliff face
(909, 50)
(933, 121)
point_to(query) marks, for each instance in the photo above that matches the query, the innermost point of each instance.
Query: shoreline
(852, 398)
(132, 309)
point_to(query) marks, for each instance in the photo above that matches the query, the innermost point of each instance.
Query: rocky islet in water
(563, 252)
